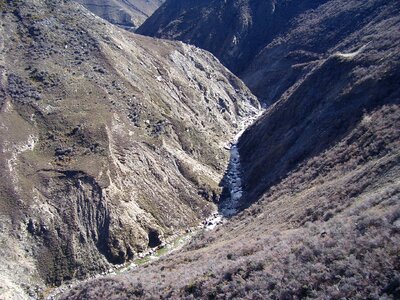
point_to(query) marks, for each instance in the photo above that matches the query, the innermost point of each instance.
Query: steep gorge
(110, 142)
(234, 31)
(320, 212)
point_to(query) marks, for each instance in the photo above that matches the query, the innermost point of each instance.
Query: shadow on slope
(319, 113)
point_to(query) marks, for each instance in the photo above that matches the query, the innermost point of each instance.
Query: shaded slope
(110, 142)
(234, 31)
(269, 44)
(313, 36)
(325, 104)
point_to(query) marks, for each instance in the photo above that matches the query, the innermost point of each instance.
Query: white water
(234, 183)
(234, 172)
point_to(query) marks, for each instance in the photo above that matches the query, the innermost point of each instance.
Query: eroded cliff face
(128, 14)
(110, 142)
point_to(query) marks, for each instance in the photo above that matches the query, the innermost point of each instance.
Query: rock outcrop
(110, 142)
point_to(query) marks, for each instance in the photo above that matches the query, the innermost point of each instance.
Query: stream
(233, 175)
(228, 208)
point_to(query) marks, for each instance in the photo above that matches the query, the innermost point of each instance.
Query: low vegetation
(329, 229)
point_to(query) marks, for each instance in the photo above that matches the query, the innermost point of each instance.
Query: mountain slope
(321, 179)
(312, 37)
(128, 14)
(269, 44)
(328, 96)
(110, 142)
(234, 31)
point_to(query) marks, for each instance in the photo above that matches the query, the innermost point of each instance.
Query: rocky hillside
(268, 44)
(110, 142)
(314, 36)
(325, 95)
(320, 172)
(128, 14)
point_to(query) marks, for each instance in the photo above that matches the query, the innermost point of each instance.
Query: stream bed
(174, 243)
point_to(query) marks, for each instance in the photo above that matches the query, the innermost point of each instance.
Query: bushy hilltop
(110, 142)
(128, 14)
(321, 173)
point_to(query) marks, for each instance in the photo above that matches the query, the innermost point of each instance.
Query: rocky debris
(212, 221)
